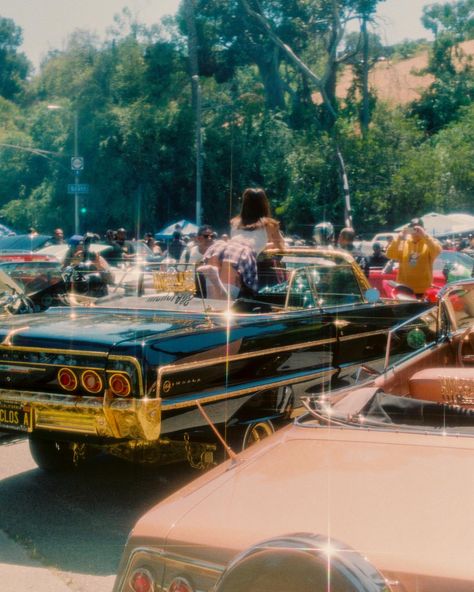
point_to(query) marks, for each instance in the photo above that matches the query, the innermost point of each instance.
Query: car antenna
(228, 449)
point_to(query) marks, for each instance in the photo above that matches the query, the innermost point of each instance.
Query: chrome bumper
(107, 417)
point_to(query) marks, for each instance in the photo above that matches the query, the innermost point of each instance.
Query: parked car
(448, 266)
(368, 491)
(24, 242)
(30, 286)
(143, 252)
(134, 275)
(36, 282)
(25, 256)
(382, 238)
(126, 374)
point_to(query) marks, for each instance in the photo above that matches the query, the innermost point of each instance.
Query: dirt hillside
(397, 83)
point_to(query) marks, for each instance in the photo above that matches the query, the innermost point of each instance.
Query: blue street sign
(77, 188)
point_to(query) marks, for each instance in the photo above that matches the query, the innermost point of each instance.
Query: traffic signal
(83, 210)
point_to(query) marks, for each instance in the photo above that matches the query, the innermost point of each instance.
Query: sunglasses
(206, 235)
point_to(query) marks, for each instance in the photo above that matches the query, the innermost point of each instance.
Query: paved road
(65, 532)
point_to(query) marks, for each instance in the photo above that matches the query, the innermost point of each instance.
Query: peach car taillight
(120, 385)
(142, 581)
(67, 379)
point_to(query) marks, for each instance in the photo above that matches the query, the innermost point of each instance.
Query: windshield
(285, 282)
(293, 286)
(453, 258)
(412, 337)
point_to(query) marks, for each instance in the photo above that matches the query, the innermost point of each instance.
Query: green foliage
(14, 67)
(261, 126)
(456, 18)
(452, 89)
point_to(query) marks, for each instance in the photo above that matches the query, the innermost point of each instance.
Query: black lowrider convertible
(133, 375)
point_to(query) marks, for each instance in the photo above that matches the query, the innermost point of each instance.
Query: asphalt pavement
(22, 567)
(19, 572)
(65, 532)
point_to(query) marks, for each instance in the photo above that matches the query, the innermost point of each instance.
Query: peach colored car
(368, 491)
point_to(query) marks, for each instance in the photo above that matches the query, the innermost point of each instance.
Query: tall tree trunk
(365, 115)
(268, 66)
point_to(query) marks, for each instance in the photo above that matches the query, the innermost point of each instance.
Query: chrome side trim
(181, 367)
(168, 404)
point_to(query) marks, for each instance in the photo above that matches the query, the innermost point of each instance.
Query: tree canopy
(270, 115)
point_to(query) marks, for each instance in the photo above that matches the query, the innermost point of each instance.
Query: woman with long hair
(231, 267)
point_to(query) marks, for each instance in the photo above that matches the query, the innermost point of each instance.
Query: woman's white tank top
(257, 238)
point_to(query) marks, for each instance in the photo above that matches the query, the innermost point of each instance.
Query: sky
(46, 24)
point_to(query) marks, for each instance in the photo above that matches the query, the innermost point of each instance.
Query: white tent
(446, 224)
(185, 226)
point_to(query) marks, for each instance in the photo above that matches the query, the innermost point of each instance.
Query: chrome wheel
(257, 431)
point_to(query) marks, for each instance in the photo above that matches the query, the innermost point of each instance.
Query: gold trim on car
(235, 357)
(77, 352)
(211, 398)
(53, 350)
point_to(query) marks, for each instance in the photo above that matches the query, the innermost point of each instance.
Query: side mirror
(372, 295)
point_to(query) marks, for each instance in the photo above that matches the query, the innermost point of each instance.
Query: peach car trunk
(402, 500)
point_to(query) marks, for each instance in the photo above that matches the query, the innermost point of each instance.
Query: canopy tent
(446, 224)
(186, 228)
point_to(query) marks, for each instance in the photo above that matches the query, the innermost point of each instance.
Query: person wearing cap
(75, 252)
(416, 251)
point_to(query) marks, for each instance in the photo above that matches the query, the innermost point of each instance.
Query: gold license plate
(13, 416)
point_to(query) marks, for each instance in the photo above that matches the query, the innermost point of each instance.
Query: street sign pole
(76, 153)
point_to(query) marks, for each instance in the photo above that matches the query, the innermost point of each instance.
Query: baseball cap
(416, 222)
(76, 239)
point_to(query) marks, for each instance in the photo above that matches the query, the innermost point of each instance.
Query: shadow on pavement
(79, 521)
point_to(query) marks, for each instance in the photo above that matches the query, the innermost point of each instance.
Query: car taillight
(67, 379)
(91, 381)
(180, 585)
(120, 385)
(142, 581)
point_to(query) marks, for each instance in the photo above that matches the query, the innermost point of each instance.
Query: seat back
(444, 385)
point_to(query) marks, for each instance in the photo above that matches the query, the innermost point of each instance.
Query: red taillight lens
(142, 581)
(120, 385)
(180, 585)
(91, 381)
(67, 379)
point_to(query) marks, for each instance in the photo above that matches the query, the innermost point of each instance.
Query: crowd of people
(227, 265)
(413, 248)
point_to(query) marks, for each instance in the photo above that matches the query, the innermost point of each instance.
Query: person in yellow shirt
(416, 251)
